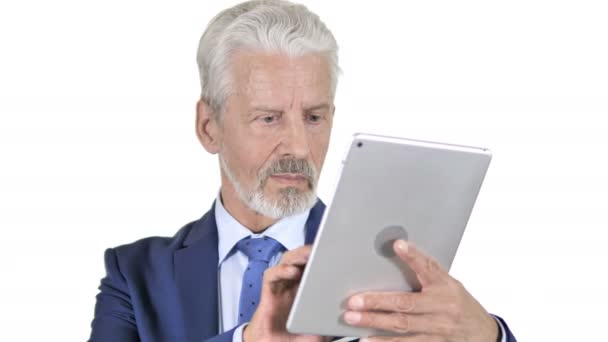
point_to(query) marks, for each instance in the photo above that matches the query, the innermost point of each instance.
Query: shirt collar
(289, 231)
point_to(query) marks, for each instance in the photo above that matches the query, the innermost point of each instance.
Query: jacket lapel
(314, 219)
(196, 278)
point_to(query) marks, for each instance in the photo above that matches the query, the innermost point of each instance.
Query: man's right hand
(279, 288)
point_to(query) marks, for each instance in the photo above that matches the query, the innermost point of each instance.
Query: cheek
(319, 144)
(233, 151)
(250, 154)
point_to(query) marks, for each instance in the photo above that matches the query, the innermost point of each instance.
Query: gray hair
(266, 25)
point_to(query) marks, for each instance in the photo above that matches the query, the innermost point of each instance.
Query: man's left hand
(443, 310)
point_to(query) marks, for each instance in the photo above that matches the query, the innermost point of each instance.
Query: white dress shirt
(289, 231)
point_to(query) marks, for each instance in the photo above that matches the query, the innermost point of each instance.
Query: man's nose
(295, 139)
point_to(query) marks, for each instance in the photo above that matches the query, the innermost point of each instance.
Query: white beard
(291, 201)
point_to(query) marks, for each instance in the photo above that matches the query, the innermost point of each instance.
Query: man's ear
(207, 127)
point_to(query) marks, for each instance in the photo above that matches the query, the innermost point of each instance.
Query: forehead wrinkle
(269, 82)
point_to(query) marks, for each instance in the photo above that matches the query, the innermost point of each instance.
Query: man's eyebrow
(278, 111)
(315, 107)
(266, 109)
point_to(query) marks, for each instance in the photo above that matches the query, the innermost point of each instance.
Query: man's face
(275, 130)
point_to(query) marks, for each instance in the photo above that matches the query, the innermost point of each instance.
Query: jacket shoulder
(150, 251)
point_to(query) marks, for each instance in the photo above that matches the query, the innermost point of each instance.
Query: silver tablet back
(389, 188)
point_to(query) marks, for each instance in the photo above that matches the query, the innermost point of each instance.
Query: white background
(97, 143)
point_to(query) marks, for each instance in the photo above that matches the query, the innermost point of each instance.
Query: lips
(289, 178)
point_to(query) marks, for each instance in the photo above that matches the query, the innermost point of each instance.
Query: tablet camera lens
(359, 144)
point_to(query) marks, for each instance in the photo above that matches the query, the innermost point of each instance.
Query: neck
(233, 204)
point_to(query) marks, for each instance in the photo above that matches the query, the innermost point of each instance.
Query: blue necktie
(259, 251)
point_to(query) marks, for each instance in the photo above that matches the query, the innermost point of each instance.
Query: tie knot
(259, 248)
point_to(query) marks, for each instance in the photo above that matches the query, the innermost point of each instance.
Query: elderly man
(268, 75)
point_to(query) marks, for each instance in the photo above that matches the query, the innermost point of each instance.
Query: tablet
(389, 188)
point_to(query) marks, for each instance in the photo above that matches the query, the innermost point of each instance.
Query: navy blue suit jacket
(166, 289)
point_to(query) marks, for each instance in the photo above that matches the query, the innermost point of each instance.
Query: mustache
(299, 166)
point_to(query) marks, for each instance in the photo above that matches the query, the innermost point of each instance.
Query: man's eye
(314, 118)
(269, 119)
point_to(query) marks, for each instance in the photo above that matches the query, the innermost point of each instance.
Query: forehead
(274, 76)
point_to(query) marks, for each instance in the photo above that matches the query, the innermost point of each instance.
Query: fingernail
(402, 245)
(356, 302)
(365, 339)
(352, 317)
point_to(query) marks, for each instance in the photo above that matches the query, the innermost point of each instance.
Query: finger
(404, 302)
(398, 322)
(407, 338)
(298, 256)
(282, 273)
(426, 267)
